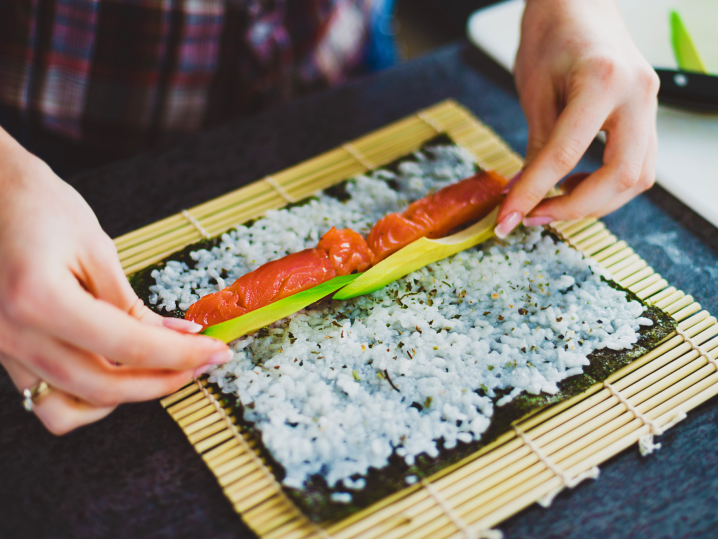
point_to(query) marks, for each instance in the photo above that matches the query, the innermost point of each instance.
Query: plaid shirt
(128, 74)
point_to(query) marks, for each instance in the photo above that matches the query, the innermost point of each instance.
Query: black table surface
(135, 475)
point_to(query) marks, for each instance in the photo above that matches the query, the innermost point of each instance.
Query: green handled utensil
(686, 54)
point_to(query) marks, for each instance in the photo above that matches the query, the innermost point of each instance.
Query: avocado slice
(418, 254)
(252, 321)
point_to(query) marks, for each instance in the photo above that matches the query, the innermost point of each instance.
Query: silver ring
(33, 394)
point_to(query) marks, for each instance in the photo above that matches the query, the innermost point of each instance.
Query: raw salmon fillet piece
(281, 278)
(390, 234)
(463, 202)
(215, 308)
(268, 283)
(340, 252)
(436, 215)
(347, 250)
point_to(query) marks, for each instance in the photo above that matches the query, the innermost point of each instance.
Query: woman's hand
(577, 73)
(67, 313)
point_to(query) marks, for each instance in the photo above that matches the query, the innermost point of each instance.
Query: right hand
(578, 72)
(67, 312)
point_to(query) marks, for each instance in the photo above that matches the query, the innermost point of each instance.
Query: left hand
(577, 73)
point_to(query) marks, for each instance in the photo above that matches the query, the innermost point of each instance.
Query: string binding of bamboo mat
(470, 497)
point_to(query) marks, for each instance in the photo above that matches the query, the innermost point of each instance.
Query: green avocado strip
(254, 320)
(416, 255)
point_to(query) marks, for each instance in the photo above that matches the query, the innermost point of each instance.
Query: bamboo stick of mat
(469, 497)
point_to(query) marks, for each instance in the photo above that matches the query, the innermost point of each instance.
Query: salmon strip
(436, 215)
(348, 250)
(342, 252)
(268, 283)
(281, 278)
(390, 234)
(215, 308)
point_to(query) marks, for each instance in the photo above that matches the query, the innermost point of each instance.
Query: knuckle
(20, 303)
(533, 196)
(58, 423)
(107, 247)
(645, 182)
(628, 177)
(649, 81)
(54, 368)
(604, 67)
(573, 214)
(136, 354)
(566, 155)
(626, 181)
(103, 397)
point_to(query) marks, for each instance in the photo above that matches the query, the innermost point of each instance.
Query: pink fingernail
(537, 221)
(507, 224)
(219, 358)
(203, 369)
(512, 182)
(179, 324)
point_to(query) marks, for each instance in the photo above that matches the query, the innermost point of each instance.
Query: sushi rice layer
(338, 388)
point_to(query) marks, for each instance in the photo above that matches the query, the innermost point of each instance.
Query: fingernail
(512, 182)
(218, 358)
(203, 369)
(507, 224)
(537, 221)
(180, 324)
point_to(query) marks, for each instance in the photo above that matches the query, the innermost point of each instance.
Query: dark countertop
(134, 475)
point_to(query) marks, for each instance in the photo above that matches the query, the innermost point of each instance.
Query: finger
(92, 378)
(144, 314)
(647, 179)
(565, 188)
(624, 158)
(575, 129)
(92, 324)
(540, 107)
(179, 324)
(58, 411)
(62, 413)
(102, 275)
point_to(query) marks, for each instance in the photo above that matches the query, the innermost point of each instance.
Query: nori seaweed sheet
(315, 500)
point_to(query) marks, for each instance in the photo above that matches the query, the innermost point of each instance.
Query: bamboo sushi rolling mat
(550, 450)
